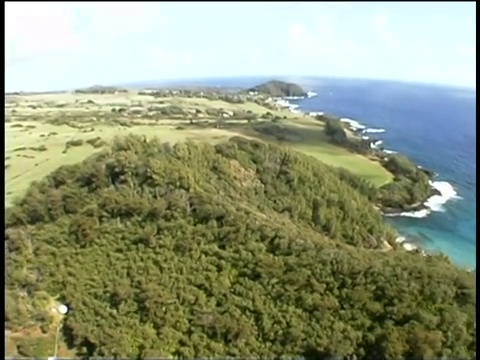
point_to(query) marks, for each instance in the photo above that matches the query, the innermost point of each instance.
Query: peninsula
(410, 186)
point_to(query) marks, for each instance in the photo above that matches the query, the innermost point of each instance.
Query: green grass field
(357, 164)
(315, 143)
(35, 147)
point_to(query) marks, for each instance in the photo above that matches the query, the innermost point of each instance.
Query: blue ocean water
(436, 127)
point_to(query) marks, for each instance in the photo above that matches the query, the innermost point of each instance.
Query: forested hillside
(236, 249)
(277, 88)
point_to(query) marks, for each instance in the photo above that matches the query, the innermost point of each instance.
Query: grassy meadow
(43, 132)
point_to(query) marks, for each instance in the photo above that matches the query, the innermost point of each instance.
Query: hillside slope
(238, 249)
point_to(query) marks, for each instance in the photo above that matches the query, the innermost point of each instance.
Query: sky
(66, 45)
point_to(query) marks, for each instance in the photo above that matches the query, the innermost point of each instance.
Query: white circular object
(62, 309)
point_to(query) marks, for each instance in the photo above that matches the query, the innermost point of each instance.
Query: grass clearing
(359, 165)
(27, 165)
(35, 147)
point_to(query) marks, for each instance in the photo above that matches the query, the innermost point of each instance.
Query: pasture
(43, 132)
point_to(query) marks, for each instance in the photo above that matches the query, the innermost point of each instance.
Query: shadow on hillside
(68, 336)
(312, 353)
(278, 133)
(287, 134)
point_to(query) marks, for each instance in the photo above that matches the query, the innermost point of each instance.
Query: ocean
(436, 127)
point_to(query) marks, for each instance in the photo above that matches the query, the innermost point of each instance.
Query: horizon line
(183, 80)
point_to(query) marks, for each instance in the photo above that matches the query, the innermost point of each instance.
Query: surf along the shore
(445, 191)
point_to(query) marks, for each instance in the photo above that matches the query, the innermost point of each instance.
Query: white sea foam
(413, 214)
(405, 243)
(310, 94)
(373, 131)
(294, 97)
(376, 144)
(386, 151)
(447, 192)
(434, 203)
(283, 103)
(353, 123)
(400, 239)
(316, 113)
(286, 104)
(409, 246)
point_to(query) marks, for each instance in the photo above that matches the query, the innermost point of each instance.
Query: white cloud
(113, 18)
(380, 24)
(103, 39)
(297, 33)
(468, 50)
(299, 42)
(155, 54)
(253, 50)
(311, 39)
(323, 42)
(188, 58)
(35, 29)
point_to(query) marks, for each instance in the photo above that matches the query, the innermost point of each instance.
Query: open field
(46, 131)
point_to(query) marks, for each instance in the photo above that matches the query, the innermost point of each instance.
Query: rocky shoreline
(420, 206)
(379, 153)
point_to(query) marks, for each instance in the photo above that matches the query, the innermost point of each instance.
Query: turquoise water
(436, 127)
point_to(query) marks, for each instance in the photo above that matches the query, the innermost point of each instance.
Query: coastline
(442, 191)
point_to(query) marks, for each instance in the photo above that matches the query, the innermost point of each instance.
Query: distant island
(276, 88)
(98, 89)
(190, 223)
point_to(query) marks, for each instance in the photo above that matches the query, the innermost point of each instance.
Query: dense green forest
(238, 249)
(411, 185)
